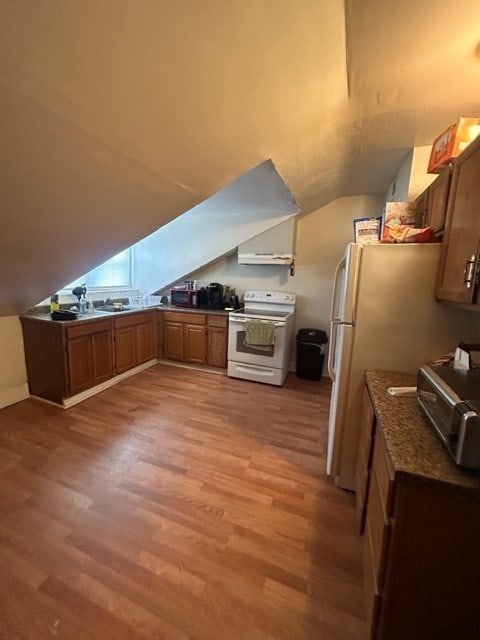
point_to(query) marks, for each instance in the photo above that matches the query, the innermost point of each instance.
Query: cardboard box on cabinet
(451, 142)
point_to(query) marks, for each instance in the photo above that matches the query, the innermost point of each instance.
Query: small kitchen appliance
(450, 399)
(274, 311)
(184, 297)
(215, 295)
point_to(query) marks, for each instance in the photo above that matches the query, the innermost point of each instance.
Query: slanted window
(115, 273)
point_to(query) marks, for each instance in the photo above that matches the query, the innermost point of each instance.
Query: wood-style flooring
(178, 504)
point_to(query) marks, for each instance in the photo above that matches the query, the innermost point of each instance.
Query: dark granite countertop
(414, 448)
(97, 315)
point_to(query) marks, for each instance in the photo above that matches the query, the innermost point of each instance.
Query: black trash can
(311, 347)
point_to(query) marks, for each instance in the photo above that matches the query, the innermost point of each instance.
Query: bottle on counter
(82, 306)
(54, 305)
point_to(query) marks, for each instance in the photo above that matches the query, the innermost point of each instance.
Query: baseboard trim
(80, 397)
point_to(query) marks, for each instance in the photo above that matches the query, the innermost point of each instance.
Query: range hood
(274, 246)
(265, 258)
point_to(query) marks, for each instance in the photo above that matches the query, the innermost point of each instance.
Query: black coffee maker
(215, 296)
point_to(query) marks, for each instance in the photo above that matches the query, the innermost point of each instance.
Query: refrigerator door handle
(332, 348)
(336, 289)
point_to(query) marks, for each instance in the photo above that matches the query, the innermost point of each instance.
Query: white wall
(253, 203)
(412, 177)
(13, 375)
(320, 243)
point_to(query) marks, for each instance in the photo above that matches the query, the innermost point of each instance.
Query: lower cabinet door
(194, 343)
(217, 347)
(173, 340)
(145, 342)
(373, 599)
(125, 349)
(102, 356)
(80, 364)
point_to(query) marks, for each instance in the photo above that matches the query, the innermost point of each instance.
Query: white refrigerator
(384, 316)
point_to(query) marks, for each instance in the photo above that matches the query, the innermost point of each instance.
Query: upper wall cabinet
(458, 278)
(432, 203)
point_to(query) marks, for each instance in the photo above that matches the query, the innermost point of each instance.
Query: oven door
(238, 351)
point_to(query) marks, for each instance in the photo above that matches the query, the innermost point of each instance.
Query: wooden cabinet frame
(134, 340)
(65, 359)
(197, 338)
(459, 263)
(421, 565)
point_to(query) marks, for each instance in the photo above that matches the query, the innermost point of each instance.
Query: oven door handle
(244, 321)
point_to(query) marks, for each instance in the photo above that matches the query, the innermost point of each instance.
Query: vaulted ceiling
(118, 115)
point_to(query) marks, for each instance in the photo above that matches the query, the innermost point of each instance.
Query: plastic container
(82, 306)
(54, 305)
(311, 347)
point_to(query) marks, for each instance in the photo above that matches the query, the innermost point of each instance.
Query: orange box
(452, 142)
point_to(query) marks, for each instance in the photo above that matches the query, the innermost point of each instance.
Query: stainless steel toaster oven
(451, 400)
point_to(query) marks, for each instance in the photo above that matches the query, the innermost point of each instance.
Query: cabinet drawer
(386, 485)
(87, 328)
(362, 469)
(368, 416)
(378, 527)
(142, 317)
(373, 599)
(365, 452)
(361, 486)
(217, 321)
(186, 318)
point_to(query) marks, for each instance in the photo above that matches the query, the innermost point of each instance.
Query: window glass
(114, 273)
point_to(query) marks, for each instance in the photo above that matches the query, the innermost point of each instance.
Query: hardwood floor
(178, 504)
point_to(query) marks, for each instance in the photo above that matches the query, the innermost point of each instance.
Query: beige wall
(320, 243)
(13, 376)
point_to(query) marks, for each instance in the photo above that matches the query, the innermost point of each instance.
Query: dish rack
(144, 301)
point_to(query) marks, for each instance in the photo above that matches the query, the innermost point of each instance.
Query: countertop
(97, 315)
(415, 450)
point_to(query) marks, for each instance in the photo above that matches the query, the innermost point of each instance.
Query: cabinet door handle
(468, 273)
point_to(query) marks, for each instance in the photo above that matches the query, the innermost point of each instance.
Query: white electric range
(259, 364)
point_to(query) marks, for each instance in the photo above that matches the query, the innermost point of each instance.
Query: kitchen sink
(112, 308)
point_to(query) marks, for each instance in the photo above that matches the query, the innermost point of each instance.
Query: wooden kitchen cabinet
(217, 339)
(438, 193)
(364, 460)
(173, 340)
(89, 355)
(422, 526)
(134, 340)
(431, 204)
(184, 336)
(421, 210)
(159, 335)
(194, 343)
(198, 338)
(65, 359)
(458, 269)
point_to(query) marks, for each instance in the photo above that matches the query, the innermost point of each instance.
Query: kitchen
(36, 247)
